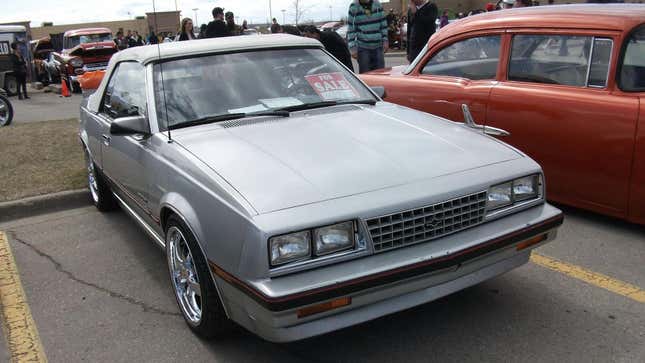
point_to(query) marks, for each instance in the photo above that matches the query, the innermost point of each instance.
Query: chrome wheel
(6, 112)
(91, 179)
(184, 275)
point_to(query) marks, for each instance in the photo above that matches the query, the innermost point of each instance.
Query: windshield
(251, 82)
(89, 38)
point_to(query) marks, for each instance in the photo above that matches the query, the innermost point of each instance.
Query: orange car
(568, 83)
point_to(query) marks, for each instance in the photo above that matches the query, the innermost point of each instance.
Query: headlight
(518, 190)
(76, 62)
(525, 188)
(290, 247)
(334, 238)
(500, 196)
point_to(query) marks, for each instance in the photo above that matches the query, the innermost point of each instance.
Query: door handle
(106, 139)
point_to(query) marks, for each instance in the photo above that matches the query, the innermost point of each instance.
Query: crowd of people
(370, 31)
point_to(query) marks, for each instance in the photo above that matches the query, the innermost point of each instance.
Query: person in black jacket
(217, 28)
(422, 16)
(19, 70)
(333, 43)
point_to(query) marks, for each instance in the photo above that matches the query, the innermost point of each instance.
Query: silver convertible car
(289, 198)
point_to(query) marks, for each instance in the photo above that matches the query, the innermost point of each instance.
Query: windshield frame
(162, 122)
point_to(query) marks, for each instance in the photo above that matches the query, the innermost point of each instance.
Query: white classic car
(290, 198)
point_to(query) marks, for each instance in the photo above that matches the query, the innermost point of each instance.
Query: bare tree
(300, 9)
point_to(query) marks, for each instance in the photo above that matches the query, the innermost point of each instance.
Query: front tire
(6, 111)
(195, 291)
(100, 192)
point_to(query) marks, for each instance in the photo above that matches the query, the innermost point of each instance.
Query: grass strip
(40, 158)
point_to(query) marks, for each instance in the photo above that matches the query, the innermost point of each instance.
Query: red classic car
(568, 83)
(84, 50)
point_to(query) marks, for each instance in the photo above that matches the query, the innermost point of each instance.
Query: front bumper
(385, 283)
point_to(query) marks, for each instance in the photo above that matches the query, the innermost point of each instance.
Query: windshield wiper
(226, 117)
(309, 106)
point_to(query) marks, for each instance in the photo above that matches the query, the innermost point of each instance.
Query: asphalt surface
(99, 291)
(45, 107)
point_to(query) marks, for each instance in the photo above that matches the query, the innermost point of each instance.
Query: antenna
(163, 89)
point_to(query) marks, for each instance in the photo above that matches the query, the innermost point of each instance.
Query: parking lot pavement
(45, 107)
(99, 291)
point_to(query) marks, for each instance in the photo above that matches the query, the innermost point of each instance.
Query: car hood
(278, 163)
(97, 49)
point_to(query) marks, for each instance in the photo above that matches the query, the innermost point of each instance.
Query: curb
(41, 204)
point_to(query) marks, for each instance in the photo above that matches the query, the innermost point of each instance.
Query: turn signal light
(530, 242)
(326, 306)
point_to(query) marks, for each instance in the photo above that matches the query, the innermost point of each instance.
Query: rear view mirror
(131, 125)
(379, 90)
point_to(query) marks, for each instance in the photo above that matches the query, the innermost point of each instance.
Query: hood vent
(251, 121)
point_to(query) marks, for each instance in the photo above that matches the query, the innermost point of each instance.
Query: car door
(125, 157)
(458, 71)
(631, 81)
(563, 110)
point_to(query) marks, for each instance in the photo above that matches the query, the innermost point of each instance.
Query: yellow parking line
(17, 323)
(616, 286)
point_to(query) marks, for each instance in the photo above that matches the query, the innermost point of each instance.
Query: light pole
(270, 13)
(196, 22)
(331, 17)
(283, 12)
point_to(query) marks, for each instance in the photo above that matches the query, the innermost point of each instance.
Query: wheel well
(164, 215)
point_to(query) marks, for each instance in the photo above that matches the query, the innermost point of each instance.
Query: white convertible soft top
(151, 53)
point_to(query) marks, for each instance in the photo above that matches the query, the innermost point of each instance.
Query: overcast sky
(74, 11)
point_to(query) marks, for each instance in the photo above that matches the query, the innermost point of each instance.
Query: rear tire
(100, 192)
(195, 291)
(6, 111)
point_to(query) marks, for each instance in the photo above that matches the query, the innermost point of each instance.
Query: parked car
(331, 26)
(568, 83)
(299, 203)
(12, 34)
(84, 50)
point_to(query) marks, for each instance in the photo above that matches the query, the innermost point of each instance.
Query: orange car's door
(631, 80)
(562, 110)
(459, 72)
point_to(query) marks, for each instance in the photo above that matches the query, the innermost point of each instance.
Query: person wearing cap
(333, 42)
(233, 29)
(422, 17)
(217, 28)
(507, 4)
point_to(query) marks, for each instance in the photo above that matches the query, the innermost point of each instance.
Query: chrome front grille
(427, 223)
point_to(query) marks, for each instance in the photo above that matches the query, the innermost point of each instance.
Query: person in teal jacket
(367, 34)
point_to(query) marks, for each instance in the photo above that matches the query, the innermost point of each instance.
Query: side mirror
(469, 121)
(131, 125)
(379, 90)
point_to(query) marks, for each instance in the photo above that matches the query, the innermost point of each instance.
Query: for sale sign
(332, 86)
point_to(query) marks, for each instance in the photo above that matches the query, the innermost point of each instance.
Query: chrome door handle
(106, 139)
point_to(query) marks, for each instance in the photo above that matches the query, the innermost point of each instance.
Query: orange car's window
(632, 71)
(560, 59)
(599, 66)
(473, 58)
